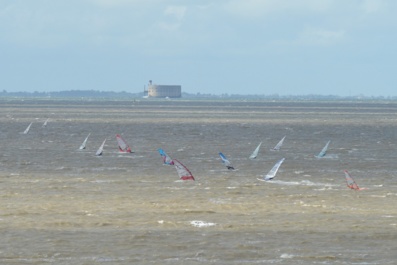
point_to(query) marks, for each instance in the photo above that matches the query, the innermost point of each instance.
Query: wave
(302, 183)
(201, 223)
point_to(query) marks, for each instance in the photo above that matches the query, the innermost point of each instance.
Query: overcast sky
(286, 47)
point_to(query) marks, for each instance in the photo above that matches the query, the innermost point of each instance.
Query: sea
(62, 205)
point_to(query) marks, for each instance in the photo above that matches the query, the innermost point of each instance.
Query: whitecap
(102, 181)
(201, 223)
(287, 256)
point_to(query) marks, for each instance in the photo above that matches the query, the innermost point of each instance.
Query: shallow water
(61, 205)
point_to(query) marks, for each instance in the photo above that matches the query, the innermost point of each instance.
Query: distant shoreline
(150, 101)
(90, 95)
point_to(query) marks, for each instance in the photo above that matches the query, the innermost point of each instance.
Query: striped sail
(123, 146)
(167, 160)
(350, 181)
(183, 172)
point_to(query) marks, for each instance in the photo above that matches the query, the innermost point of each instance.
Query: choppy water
(61, 205)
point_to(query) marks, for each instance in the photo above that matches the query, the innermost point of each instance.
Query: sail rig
(324, 150)
(123, 146)
(256, 151)
(100, 149)
(226, 162)
(82, 146)
(279, 144)
(167, 160)
(272, 173)
(183, 172)
(28, 128)
(45, 123)
(350, 181)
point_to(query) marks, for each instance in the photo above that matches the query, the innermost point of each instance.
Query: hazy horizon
(302, 47)
(97, 94)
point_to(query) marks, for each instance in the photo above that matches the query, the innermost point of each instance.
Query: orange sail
(350, 181)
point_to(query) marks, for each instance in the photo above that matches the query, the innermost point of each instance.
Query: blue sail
(167, 160)
(323, 151)
(226, 162)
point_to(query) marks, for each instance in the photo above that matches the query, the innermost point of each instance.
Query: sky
(264, 47)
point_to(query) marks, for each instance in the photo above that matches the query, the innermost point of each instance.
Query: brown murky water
(61, 205)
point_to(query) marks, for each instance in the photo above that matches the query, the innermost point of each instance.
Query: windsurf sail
(256, 151)
(272, 173)
(350, 181)
(226, 162)
(45, 123)
(100, 149)
(279, 144)
(123, 146)
(167, 160)
(82, 146)
(28, 128)
(323, 151)
(183, 172)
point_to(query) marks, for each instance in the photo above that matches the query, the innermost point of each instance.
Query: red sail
(183, 172)
(350, 181)
(123, 146)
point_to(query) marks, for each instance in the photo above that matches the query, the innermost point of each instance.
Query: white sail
(256, 151)
(279, 144)
(324, 150)
(28, 128)
(82, 146)
(100, 150)
(272, 173)
(183, 172)
(45, 123)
